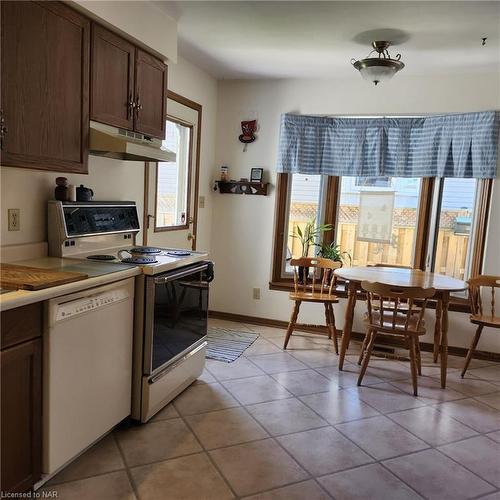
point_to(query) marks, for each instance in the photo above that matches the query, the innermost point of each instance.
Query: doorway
(171, 188)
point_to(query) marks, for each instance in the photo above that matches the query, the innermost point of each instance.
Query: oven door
(176, 313)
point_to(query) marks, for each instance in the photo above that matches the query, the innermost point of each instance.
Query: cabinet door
(45, 86)
(20, 324)
(21, 384)
(112, 96)
(151, 95)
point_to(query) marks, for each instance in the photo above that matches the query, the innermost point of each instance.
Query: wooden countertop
(17, 277)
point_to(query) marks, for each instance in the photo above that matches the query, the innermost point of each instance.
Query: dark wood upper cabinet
(129, 86)
(113, 63)
(151, 95)
(21, 410)
(45, 56)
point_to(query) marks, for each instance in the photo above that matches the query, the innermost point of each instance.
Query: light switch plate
(256, 293)
(201, 202)
(14, 215)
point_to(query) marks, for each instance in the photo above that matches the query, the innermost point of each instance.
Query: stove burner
(178, 253)
(101, 257)
(146, 250)
(140, 260)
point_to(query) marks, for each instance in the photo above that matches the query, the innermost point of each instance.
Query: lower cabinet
(21, 412)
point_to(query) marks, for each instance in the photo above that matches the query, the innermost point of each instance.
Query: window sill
(457, 304)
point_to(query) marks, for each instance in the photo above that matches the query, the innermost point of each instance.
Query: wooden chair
(385, 315)
(316, 288)
(481, 316)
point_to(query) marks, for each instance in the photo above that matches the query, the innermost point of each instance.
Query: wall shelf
(242, 187)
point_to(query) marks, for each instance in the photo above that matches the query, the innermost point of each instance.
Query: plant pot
(303, 271)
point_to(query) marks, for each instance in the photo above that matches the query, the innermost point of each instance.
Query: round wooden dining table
(396, 276)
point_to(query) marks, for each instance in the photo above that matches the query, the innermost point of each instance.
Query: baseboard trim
(321, 330)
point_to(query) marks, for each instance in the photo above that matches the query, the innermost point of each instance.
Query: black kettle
(83, 193)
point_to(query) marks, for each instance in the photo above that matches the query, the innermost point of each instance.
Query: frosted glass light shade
(378, 70)
(377, 73)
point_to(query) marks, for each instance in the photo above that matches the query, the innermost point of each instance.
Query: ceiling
(308, 39)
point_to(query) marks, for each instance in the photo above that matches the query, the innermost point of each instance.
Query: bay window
(435, 224)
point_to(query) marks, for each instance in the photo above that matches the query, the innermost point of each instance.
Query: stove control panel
(81, 220)
(90, 303)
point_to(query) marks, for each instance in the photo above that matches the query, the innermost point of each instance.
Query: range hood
(121, 144)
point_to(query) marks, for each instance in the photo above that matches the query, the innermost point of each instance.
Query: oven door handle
(169, 277)
(169, 368)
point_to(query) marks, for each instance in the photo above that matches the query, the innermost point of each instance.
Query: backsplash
(29, 191)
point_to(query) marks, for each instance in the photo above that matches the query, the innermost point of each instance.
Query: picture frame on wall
(256, 174)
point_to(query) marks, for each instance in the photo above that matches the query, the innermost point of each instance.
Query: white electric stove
(171, 295)
(106, 232)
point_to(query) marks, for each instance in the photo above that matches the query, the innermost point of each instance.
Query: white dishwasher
(87, 369)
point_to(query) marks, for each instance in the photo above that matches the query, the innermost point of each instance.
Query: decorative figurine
(224, 173)
(248, 128)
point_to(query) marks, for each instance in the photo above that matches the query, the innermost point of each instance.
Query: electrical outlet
(14, 215)
(256, 293)
(201, 202)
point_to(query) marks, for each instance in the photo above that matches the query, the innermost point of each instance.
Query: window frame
(424, 226)
(177, 227)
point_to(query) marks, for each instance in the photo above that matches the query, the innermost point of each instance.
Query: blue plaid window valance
(456, 145)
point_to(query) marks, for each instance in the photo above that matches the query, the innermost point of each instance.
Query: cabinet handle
(138, 106)
(130, 107)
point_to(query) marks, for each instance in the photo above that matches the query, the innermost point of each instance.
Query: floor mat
(228, 345)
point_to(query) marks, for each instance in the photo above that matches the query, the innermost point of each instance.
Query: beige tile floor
(278, 425)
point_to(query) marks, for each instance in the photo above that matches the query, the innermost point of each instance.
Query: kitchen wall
(195, 84)
(29, 190)
(242, 227)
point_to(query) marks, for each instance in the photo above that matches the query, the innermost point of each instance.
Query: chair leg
(327, 320)
(366, 357)
(472, 348)
(293, 321)
(437, 331)
(418, 355)
(413, 365)
(334, 328)
(363, 346)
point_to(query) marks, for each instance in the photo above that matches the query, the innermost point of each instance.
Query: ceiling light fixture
(377, 69)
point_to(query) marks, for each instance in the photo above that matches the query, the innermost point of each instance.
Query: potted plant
(333, 252)
(307, 238)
